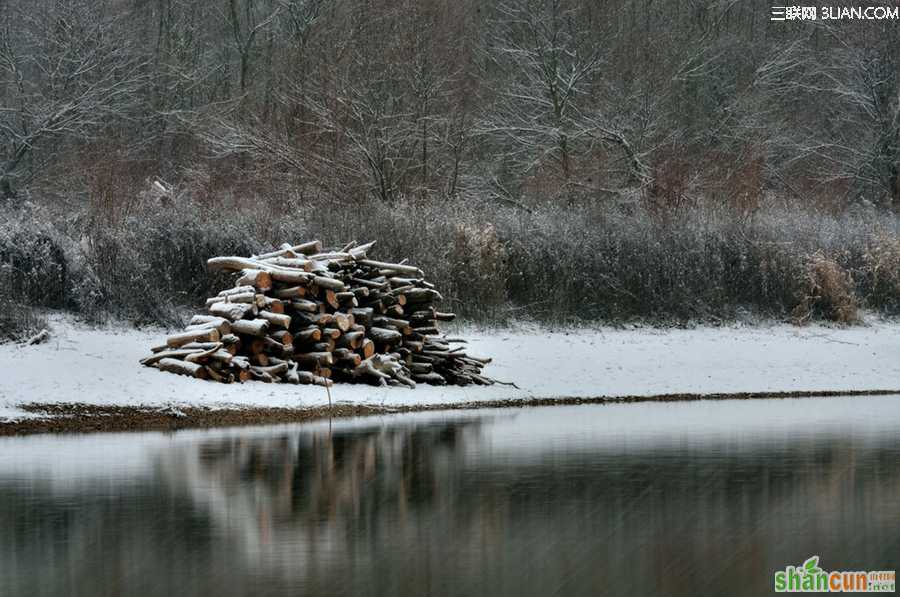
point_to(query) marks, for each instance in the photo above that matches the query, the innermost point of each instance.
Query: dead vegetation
(603, 263)
(828, 292)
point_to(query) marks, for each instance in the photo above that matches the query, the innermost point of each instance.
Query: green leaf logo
(811, 566)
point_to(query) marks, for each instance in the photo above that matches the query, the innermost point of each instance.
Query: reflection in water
(427, 505)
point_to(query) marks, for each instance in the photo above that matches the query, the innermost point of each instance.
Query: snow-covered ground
(100, 366)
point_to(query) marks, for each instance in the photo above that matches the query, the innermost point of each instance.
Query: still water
(701, 498)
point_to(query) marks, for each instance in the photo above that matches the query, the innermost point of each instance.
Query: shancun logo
(809, 578)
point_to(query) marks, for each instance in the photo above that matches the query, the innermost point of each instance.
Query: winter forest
(550, 160)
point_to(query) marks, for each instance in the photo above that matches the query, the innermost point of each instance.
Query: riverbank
(88, 379)
(86, 418)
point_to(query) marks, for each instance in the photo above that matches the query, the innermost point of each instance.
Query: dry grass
(595, 262)
(880, 271)
(19, 322)
(828, 293)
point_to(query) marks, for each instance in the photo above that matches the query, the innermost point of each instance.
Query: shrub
(879, 276)
(828, 292)
(599, 262)
(33, 267)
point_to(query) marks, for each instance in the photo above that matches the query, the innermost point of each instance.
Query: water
(703, 498)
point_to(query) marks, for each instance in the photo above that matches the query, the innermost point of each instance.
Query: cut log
(201, 357)
(326, 345)
(221, 356)
(38, 338)
(330, 297)
(322, 319)
(305, 306)
(423, 295)
(237, 290)
(292, 292)
(274, 319)
(314, 359)
(240, 363)
(213, 374)
(352, 340)
(251, 327)
(222, 325)
(366, 368)
(201, 345)
(401, 325)
(182, 368)
(329, 283)
(169, 354)
(394, 267)
(250, 266)
(253, 345)
(309, 248)
(332, 333)
(421, 368)
(372, 284)
(209, 321)
(258, 279)
(255, 373)
(289, 276)
(362, 315)
(367, 349)
(397, 282)
(272, 305)
(301, 264)
(273, 370)
(413, 345)
(430, 378)
(200, 335)
(343, 321)
(385, 336)
(427, 331)
(307, 377)
(283, 336)
(394, 311)
(346, 357)
(335, 256)
(274, 347)
(232, 311)
(245, 297)
(360, 251)
(308, 335)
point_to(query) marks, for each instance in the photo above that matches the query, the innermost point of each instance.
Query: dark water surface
(702, 498)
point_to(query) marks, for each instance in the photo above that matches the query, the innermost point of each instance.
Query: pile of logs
(305, 315)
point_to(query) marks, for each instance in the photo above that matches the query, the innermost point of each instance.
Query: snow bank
(100, 366)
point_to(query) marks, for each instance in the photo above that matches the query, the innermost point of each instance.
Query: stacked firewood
(305, 315)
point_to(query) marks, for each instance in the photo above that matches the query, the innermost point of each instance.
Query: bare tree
(67, 74)
(247, 19)
(836, 117)
(547, 113)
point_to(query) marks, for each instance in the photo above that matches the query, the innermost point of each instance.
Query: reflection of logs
(326, 313)
(280, 485)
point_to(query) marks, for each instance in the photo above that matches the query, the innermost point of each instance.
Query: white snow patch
(100, 367)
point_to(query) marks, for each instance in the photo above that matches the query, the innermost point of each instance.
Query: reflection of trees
(409, 509)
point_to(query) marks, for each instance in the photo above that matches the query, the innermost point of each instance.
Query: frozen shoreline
(100, 367)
